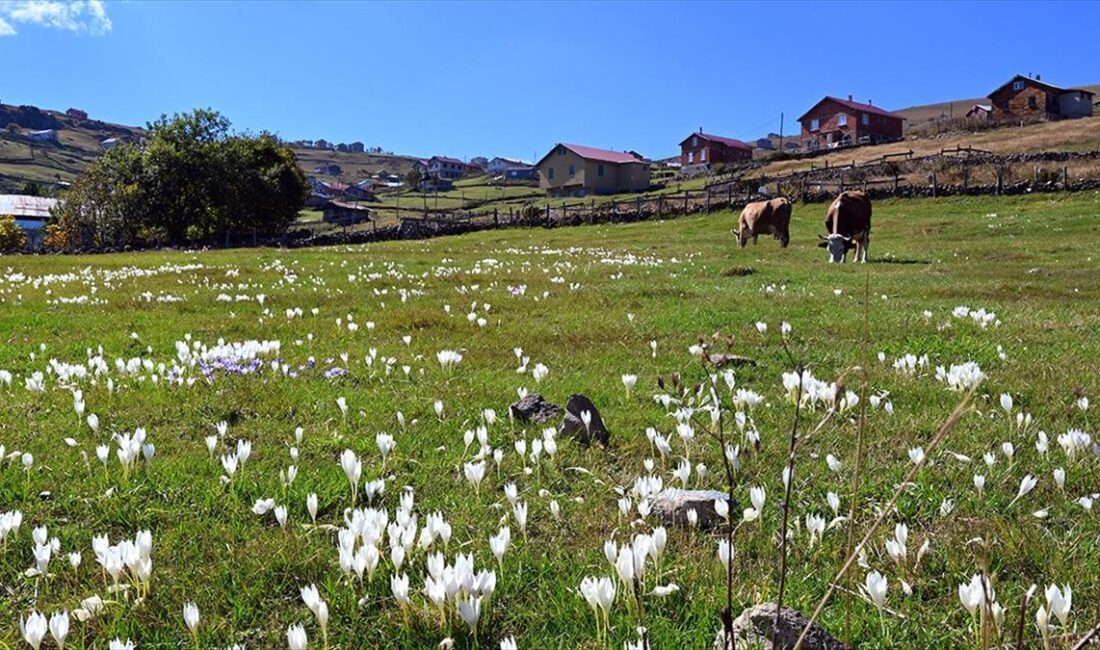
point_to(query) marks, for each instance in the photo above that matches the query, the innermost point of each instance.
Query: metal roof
(20, 206)
(729, 142)
(852, 105)
(601, 155)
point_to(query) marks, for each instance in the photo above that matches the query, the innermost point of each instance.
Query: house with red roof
(834, 122)
(575, 170)
(705, 150)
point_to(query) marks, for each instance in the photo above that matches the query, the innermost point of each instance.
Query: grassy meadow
(176, 343)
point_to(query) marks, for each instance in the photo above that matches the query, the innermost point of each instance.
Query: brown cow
(848, 222)
(765, 218)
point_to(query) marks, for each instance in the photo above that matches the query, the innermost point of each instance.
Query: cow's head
(837, 245)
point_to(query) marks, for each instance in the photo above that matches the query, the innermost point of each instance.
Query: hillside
(79, 142)
(921, 116)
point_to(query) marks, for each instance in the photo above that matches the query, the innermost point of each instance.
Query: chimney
(870, 103)
(849, 98)
(700, 129)
(1038, 77)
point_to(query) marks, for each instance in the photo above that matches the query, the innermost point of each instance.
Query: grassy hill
(921, 116)
(79, 143)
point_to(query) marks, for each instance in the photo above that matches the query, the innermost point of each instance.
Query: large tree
(191, 179)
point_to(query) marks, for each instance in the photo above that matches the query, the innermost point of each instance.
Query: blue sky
(466, 79)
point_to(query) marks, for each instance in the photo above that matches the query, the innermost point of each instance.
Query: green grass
(1032, 260)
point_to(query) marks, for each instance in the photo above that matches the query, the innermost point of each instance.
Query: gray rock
(573, 425)
(753, 629)
(534, 408)
(672, 506)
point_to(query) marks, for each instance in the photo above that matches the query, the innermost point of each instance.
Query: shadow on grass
(898, 260)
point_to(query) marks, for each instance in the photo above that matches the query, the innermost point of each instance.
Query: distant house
(522, 174)
(499, 166)
(479, 161)
(1026, 98)
(342, 148)
(446, 168)
(703, 150)
(979, 112)
(764, 143)
(344, 214)
(329, 169)
(361, 191)
(435, 184)
(834, 122)
(333, 188)
(356, 147)
(31, 214)
(45, 135)
(77, 114)
(574, 170)
(322, 144)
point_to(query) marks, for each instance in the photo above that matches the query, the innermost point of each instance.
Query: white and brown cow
(848, 222)
(765, 218)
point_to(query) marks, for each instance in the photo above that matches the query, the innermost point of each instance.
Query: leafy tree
(412, 179)
(191, 179)
(30, 188)
(12, 237)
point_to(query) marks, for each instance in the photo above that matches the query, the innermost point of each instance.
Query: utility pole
(781, 131)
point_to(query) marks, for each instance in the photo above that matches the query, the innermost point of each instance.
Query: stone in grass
(753, 629)
(573, 424)
(672, 506)
(534, 408)
(722, 359)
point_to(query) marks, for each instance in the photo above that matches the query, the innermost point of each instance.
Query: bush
(56, 237)
(12, 237)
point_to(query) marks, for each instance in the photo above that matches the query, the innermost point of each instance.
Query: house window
(572, 170)
(1018, 85)
(550, 173)
(691, 156)
(702, 155)
(842, 119)
(694, 141)
(813, 124)
(866, 119)
(1031, 103)
(599, 170)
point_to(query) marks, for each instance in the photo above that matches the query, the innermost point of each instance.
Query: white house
(46, 135)
(499, 166)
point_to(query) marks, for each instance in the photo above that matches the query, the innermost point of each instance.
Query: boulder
(753, 629)
(573, 425)
(534, 408)
(672, 506)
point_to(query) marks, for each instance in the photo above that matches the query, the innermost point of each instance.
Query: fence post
(1037, 171)
(895, 184)
(496, 218)
(660, 206)
(729, 196)
(1065, 178)
(842, 183)
(1000, 180)
(708, 200)
(802, 189)
(638, 207)
(685, 201)
(935, 185)
(548, 213)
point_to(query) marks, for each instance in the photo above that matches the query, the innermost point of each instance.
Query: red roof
(591, 153)
(729, 142)
(453, 161)
(854, 106)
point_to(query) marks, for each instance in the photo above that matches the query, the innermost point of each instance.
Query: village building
(31, 213)
(834, 122)
(446, 168)
(703, 150)
(1029, 99)
(344, 214)
(575, 170)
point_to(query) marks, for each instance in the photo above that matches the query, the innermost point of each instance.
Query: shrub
(12, 237)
